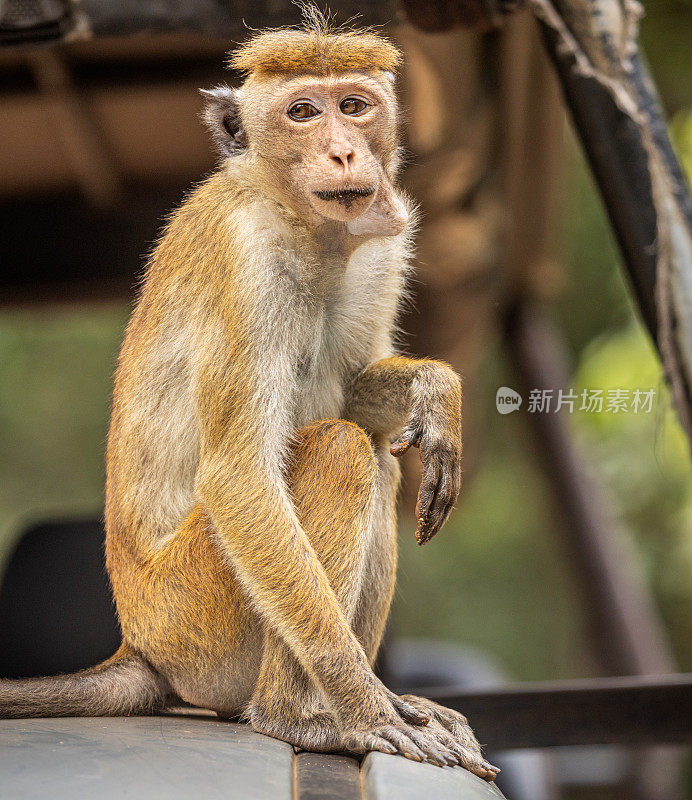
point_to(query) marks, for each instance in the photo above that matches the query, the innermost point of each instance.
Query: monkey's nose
(344, 157)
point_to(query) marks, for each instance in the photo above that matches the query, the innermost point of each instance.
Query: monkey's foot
(453, 733)
(410, 741)
(317, 731)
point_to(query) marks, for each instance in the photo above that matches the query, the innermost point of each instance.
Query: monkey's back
(153, 442)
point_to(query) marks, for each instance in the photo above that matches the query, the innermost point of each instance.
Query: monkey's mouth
(346, 197)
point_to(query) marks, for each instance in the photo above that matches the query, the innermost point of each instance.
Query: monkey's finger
(429, 743)
(434, 754)
(402, 743)
(463, 736)
(476, 764)
(465, 756)
(371, 741)
(469, 755)
(446, 742)
(454, 737)
(399, 447)
(435, 710)
(458, 726)
(409, 438)
(426, 495)
(456, 486)
(450, 724)
(408, 712)
(444, 494)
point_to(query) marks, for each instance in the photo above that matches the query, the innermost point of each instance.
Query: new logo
(507, 400)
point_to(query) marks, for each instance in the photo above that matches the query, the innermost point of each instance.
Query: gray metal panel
(327, 777)
(166, 758)
(394, 778)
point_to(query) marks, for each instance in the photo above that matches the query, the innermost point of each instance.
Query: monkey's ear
(222, 116)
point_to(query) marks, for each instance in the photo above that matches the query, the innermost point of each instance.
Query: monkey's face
(329, 142)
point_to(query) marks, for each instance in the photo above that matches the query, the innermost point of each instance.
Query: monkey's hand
(454, 734)
(434, 426)
(395, 726)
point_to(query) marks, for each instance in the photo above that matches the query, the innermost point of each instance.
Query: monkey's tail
(124, 684)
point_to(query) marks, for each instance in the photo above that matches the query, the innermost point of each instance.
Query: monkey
(259, 410)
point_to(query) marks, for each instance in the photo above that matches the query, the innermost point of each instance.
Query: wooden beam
(624, 711)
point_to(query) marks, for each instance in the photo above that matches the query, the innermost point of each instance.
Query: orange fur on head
(316, 47)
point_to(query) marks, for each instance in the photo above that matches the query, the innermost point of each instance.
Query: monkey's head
(316, 118)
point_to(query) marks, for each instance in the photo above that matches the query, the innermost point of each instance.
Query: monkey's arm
(424, 398)
(240, 481)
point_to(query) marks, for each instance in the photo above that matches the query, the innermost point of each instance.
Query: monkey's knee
(333, 476)
(333, 452)
(333, 481)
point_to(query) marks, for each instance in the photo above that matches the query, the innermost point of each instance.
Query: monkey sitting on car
(252, 476)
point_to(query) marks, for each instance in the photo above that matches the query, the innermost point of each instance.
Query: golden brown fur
(317, 48)
(250, 503)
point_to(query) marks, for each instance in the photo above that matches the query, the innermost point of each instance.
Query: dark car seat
(56, 608)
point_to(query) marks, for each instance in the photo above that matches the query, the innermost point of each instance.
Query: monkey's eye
(302, 110)
(353, 105)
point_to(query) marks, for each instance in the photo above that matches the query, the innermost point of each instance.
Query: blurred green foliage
(496, 577)
(56, 368)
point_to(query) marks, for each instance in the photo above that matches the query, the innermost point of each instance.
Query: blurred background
(98, 140)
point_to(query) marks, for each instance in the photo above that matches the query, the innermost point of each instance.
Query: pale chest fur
(347, 330)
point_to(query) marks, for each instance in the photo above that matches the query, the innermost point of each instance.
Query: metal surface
(320, 776)
(386, 779)
(183, 755)
(160, 758)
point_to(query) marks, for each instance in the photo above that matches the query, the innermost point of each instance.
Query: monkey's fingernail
(399, 447)
(412, 755)
(422, 536)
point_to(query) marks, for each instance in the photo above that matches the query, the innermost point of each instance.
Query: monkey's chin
(386, 216)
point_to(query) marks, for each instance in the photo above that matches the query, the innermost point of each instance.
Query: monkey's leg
(379, 574)
(182, 608)
(342, 494)
(333, 483)
(450, 728)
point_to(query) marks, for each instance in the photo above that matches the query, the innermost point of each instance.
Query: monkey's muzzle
(346, 197)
